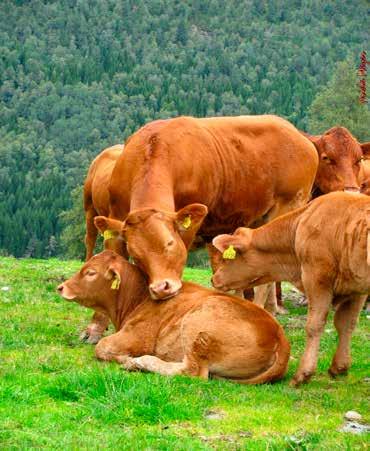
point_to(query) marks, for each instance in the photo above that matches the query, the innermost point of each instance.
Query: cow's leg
(120, 347)
(345, 320)
(320, 300)
(95, 330)
(281, 310)
(153, 364)
(195, 361)
(265, 297)
(91, 233)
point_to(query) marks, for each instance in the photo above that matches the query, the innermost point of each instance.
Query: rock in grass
(214, 415)
(354, 427)
(352, 415)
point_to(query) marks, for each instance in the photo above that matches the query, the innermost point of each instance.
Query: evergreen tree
(338, 104)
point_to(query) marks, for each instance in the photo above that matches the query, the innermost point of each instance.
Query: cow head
(158, 242)
(237, 261)
(340, 156)
(97, 282)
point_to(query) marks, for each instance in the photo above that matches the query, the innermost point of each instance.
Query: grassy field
(54, 394)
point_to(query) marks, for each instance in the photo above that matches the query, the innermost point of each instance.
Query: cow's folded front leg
(119, 347)
(95, 330)
(153, 364)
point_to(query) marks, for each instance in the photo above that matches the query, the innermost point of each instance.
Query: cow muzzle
(351, 189)
(64, 292)
(164, 289)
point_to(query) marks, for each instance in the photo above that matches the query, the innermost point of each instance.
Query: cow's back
(237, 166)
(333, 231)
(98, 178)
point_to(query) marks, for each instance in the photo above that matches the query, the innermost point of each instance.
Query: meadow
(55, 394)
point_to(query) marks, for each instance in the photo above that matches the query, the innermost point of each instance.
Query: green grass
(54, 394)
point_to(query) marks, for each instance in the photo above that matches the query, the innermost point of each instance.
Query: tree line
(77, 76)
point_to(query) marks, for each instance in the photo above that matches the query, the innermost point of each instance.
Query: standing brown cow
(96, 195)
(242, 170)
(365, 177)
(324, 249)
(340, 157)
(340, 168)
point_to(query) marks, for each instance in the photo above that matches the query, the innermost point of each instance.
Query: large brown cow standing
(243, 170)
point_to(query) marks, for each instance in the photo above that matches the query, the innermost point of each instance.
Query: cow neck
(153, 188)
(276, 240)
(132, 292)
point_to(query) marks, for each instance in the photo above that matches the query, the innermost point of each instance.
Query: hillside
(79, 75)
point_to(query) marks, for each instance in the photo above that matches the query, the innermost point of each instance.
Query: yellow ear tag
(229, 253)
(109, 234)
(116, 282)
(187, 222)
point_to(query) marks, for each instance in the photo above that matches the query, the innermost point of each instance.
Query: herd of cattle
(242, 187)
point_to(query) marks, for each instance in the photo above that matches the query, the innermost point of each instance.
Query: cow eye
(327, 159)
(360, 160)
(90, 272)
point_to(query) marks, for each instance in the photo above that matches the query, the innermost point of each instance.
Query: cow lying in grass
(322, 248)
(199, 332)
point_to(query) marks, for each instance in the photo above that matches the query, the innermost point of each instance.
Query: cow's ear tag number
(187, 222)
(229, 253)
(116, 282)
(109, 234)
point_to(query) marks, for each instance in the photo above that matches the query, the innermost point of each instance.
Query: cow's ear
(366, 150)
(108, 227)
(188, 220)
(113, 275)
(230, 245)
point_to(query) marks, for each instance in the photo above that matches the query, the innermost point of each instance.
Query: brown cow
(96, 202)
(324, 249)
(96, 195)
(240, 169)
(340, 156)
(199, 332)
(365, 177)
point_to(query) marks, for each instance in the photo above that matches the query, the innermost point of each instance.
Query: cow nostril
(166, 286)
(60, 288)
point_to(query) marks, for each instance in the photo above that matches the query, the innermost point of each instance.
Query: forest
(77, 76)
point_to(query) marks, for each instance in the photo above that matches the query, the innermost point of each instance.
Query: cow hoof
(303, 302)
(91, 339)
(335, 371)
(130, 364)
(299, 379)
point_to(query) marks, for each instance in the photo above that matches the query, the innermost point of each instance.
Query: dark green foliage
(338, 104)
(79, 75)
